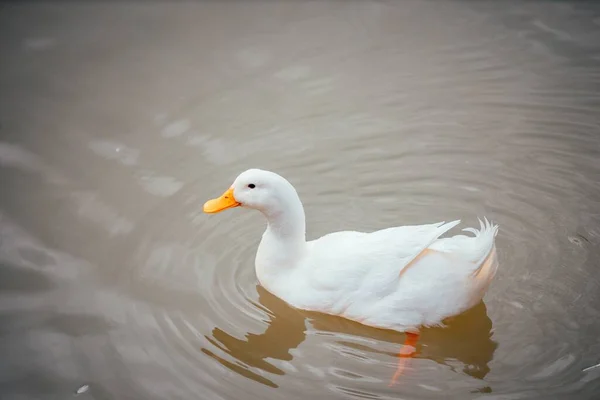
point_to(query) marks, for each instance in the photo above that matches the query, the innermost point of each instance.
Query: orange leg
(408, 349)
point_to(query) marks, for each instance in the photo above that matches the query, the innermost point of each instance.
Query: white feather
(398, 278)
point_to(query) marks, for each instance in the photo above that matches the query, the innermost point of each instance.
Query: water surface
(118, 121)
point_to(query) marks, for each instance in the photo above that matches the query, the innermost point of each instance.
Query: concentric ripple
(379, 113)
(498, 139)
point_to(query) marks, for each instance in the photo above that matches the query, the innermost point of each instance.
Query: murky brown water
(117, 122)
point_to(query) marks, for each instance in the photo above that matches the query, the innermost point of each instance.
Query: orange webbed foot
(407, 351)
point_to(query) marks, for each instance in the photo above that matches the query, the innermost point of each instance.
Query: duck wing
(370, 262)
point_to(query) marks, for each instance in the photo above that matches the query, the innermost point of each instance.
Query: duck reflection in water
(286, 329)
(466, 338)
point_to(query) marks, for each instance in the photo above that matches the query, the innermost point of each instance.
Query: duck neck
(283, 245)
(287, 227)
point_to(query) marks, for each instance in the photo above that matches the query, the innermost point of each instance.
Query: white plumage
(398, 278)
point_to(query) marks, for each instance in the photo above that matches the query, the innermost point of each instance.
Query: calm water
(117, 122)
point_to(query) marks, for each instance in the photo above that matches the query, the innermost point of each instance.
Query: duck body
(399, 278)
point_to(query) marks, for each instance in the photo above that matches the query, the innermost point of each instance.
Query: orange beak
(221, 203)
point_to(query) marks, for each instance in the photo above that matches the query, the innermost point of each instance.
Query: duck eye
(252, 186)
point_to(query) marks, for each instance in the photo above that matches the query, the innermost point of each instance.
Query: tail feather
(483, 240)
(484, 225)
(471, 248)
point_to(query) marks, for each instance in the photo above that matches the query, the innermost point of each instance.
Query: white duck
(399, 278)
